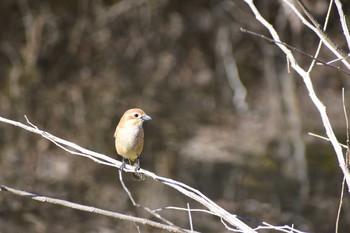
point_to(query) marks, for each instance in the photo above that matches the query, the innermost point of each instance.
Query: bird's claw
(123, 165)
(137, 165)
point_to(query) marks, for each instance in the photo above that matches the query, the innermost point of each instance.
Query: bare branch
(320, 43)
(190, 216)
(152, 212)
(319, 61)
(347, 154)
(284, 228)
(184, 209)
(320, 33)
(125, 188)
(347, 162)
(340, 206)
(325, 138)
(343, 22)
(91, 209)
(307, 80)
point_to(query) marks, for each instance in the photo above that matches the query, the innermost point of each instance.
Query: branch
(106, 160)
(152, 212)
(326, 139)
(91, 209)
(307, 80)
(314, 58)
(343, 22)
(320, 42)
(319, 32)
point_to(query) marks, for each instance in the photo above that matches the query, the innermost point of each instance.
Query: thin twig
(30, 123)
(190, 216)
(334, 60)
(185, 209)
(267, 226)
(140, 206)
(325, 138)
(285, 228)
(138, 228)
(340, 205)
(125, 188)
(320, 42)
(295, 50)
(347, 154)
(345, 115)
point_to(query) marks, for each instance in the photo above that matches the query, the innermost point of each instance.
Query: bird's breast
(129, 142)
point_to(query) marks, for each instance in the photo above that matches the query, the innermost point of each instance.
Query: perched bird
(129, 137)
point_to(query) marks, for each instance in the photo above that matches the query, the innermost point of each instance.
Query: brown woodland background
(73, 67)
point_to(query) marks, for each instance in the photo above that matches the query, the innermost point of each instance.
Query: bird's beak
(146, 118)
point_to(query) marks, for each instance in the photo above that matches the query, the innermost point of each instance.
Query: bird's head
(134, 117)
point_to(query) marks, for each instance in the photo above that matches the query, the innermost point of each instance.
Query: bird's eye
(136, 115)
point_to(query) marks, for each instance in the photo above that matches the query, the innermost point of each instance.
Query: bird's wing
(115, 133)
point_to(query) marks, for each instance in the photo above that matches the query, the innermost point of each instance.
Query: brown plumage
(129, 137)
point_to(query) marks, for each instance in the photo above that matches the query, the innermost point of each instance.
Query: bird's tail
(136, 175)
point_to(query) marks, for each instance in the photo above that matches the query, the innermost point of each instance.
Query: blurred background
(228, 118)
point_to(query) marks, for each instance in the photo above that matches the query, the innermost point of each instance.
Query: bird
(129, 138)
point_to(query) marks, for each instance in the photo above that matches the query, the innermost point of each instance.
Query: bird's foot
(137, 165)
(123, 165)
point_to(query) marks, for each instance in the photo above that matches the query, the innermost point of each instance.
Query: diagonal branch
(308, 83)
(319, 32)
(343, 22)
(152, 212)
(320, 42)
(92, 209)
